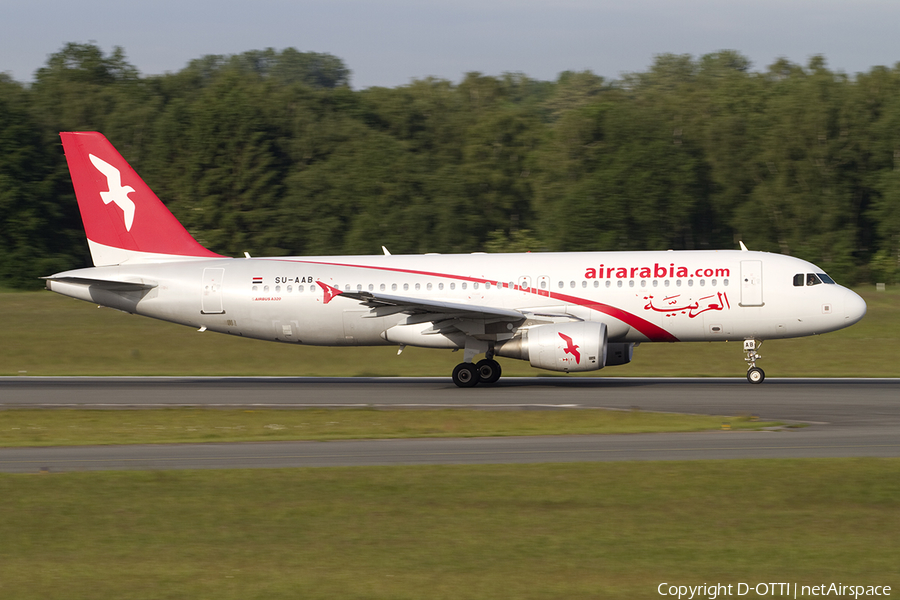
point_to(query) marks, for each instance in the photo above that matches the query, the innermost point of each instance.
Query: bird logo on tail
(117, 192)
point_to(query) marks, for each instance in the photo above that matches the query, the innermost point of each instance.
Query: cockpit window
(811, 279)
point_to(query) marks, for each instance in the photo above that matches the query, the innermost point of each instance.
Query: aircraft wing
(384, 304)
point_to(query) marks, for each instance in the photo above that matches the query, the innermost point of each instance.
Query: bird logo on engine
(571, 348)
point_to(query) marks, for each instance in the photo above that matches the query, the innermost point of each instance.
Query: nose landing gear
(754, 373)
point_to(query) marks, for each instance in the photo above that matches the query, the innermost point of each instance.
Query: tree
(36, 232)
(803, 202)
(271, 152)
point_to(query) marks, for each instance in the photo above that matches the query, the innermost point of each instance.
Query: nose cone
(854, 308)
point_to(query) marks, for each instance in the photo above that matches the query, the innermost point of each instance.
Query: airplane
(568, 312)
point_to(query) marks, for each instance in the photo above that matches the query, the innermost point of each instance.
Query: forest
(273, 153)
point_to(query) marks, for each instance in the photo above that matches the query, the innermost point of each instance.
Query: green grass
(549, 531)
(79, 427)
(47, 334)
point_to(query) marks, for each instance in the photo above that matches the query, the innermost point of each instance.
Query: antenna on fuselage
(743, 247)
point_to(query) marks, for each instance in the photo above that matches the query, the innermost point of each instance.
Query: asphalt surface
(845, 417)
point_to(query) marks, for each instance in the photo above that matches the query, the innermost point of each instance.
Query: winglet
(124, 220)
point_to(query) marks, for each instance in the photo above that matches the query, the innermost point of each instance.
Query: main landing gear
(485, 371)
(754, 373)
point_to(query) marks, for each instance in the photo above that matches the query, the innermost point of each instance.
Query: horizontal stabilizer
(105, 284)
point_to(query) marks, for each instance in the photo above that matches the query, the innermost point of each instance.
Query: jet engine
(565, 347)
(619, 354)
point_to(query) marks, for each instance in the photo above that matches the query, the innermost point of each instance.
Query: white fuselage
(640, 296)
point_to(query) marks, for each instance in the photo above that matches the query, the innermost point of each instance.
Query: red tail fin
(123, 219)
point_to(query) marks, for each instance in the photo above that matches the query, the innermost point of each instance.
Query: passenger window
(381, 287)
(418, 286)
(798, 279)
(619, 283)
(428, 287)
(463, 285)
(452, 286)
(811, 279)
(441, 285)
(405, 287)
(393, 287)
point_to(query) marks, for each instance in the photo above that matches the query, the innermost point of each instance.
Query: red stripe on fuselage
(654, 332)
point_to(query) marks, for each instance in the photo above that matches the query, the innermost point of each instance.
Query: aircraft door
(285, 331)
(361, 329)
(211, 296)
(751, 283)
(353, 320)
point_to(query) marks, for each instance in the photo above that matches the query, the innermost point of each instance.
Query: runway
(846, 417)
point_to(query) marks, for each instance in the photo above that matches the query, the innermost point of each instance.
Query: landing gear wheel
(488, 371)
(756, 375)
(465, 375)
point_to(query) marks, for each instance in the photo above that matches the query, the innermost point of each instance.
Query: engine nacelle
(565, 347)
(619, 354)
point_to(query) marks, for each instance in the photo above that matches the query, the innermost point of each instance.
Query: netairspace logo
(789, 590)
